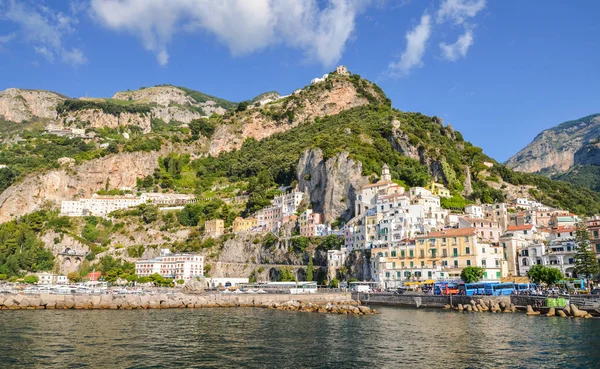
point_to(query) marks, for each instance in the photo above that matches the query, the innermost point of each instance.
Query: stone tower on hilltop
(385, 173)
(342, 70)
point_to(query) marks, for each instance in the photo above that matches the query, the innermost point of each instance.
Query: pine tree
(586, 264)
(310, 269)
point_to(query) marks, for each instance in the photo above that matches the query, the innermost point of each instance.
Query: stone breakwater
(177, 300)
(351, 307)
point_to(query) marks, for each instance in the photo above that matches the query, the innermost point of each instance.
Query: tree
(202, 126)
(31, 279)
(149, 213)
(242, 106)
(471, 274)
(74, 277)
(286, 275)
(543, 274)
(334, 283)
(586, 264)
(310, 269)
(112, 147)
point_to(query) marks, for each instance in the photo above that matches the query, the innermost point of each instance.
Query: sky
(499, 71)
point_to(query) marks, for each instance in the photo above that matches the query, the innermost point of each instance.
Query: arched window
(380, 254)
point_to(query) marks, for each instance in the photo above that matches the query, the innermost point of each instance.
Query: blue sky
(498, 71)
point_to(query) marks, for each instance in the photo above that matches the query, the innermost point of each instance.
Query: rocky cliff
(19, 105)
(122, 170)
(332, 184)
(308, 104)
(96, 118)
(554, 150)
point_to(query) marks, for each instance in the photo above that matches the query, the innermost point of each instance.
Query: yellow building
(438, 189)
(214, 227)
(436, 256)
(240, 224)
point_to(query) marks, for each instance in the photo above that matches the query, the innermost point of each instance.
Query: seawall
(161, 301)
(419, 300)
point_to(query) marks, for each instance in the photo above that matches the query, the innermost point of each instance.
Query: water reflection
(266, 338)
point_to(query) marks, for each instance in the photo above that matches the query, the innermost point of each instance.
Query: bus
(499, 289)
(524, 287)
(445, 288)
(471, 289)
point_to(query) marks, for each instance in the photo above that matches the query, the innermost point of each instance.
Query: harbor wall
(160, 301)
(419, 300)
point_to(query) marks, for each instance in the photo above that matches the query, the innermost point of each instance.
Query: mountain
(557, 149)
(569, 151)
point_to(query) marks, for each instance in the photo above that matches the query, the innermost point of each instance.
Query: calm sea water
(247, 337)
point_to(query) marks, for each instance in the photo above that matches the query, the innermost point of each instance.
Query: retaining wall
(159, 301)
(419, 300)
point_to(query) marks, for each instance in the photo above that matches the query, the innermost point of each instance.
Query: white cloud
(459, 10)
(243, 26)
(6, 39)
(44, 29)
(416, 41)
(458, 49)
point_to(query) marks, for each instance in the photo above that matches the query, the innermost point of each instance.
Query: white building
(173, 266)
(99, 205)
(49, 279)
(559, 255)
(474, 211)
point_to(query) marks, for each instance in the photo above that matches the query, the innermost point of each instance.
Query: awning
(429, 281)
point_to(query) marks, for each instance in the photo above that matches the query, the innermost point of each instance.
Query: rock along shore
(339, 303)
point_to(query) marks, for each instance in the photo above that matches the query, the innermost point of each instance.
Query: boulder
(530, 311)
(469, 308)
(193, 286)
(562, 314)
(460, 307)
(551, 312)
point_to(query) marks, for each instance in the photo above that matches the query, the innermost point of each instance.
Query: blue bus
(499, 289)
(524, 287)
(445, 288)
(471, 289)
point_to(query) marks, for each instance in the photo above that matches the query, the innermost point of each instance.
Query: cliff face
(97, 119)
(331, 184)
(17, 105)
(306, 106)
(167, 96)
(79, 181)
(554, 150)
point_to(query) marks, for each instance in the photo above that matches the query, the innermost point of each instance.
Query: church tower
(385, 173)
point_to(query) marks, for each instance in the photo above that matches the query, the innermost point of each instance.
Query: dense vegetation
(582, 175)
(21, 250)
(107, 106)
(201, 97)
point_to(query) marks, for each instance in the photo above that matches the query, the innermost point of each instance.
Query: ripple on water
(267, 338)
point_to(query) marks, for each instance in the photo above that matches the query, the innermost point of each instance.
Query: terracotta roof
(376, 184)
(560, 229)
(451, 232)
(525, 227)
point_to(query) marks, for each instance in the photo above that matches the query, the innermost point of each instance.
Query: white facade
(474, 211)
(103, 205)
(49, 278)
(559, 255)
(174, 266)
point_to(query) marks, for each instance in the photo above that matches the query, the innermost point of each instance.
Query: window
(468, 262)
(387, 274)
(483, 250)
(412, 264)
(422, 264)
(398, 274)
(483, 262)
(393, 265)
(402, 253)
(411, 253)
(455, 263)
(422, 253)
(406, 274)
(402, 264)
(497, 262)
(455, 252)
(467, 239)
(393, 254)
(468, 250)
(429, 274)
(524, 232)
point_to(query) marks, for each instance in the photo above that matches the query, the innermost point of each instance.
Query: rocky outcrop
(18, 105)
(78, 181)
(96, 118)
(167, 96)
(331, 184)
(169, 113)
(554, 149)
(306, 106)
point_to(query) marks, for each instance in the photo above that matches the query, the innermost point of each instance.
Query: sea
(263, 338)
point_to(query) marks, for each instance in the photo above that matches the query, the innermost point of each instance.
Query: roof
(566, 219)
(376, 184)
(451, 232)
(526, 227)
(560, 229)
